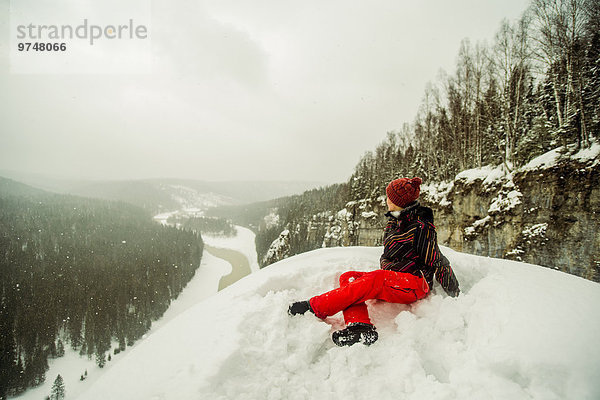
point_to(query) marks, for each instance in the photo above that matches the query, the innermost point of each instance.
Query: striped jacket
(410, 245)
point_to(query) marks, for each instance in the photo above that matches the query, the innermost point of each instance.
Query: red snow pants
(357, 287)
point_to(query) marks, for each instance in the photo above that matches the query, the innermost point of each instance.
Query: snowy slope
(516, 332)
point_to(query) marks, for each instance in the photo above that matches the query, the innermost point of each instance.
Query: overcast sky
(234, 90)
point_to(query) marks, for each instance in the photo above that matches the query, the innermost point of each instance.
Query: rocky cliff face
(542, 216)
(547, 213)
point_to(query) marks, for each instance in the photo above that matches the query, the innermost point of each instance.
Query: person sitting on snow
(410, 260)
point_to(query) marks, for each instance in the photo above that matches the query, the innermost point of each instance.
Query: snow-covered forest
(88, 274)
(535, 87)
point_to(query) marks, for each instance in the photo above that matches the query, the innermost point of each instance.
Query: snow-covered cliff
(544, 213)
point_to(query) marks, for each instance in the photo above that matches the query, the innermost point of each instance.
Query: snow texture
(271, 220)
(477, 226)
(487, 173)
(334, 232)
(532, 234)
(369, 214)
(589, 154)
(546, 160)
(536, 230)
(553, 157)
(490, 176)
(438, 193)
(517, 331)
(505, 202)
(344, 214)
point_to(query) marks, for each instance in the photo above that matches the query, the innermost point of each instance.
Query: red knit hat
(403, 191)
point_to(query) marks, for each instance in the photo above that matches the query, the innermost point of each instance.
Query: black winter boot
(354, 333)
(299, 307)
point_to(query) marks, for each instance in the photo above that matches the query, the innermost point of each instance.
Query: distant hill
(158, 195)
(14, 188)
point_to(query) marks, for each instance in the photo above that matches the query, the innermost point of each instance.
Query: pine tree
(100, 359)
(60, 348)
(58, 389)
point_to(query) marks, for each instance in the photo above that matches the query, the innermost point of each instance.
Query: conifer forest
(89, 274)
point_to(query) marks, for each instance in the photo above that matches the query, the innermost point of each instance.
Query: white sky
(248, 90)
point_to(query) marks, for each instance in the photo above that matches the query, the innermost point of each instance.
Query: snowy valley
(79, 373)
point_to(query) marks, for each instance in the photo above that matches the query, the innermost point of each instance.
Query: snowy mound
(516, 332)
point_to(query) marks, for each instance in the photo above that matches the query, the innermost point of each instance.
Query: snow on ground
(243, 241)
(551, 158)
(162, 218)
(486, 173)
(189, 197)
(490, 175)
(517, 331)
(588, 154)
(204, 284)
(546, 160)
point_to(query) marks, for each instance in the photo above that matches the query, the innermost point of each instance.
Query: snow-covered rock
(589, 155)
(279, 249)
(517, 331)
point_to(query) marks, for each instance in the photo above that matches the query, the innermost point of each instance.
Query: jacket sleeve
(430, 254)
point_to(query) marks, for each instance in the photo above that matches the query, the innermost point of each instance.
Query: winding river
(240, 267)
